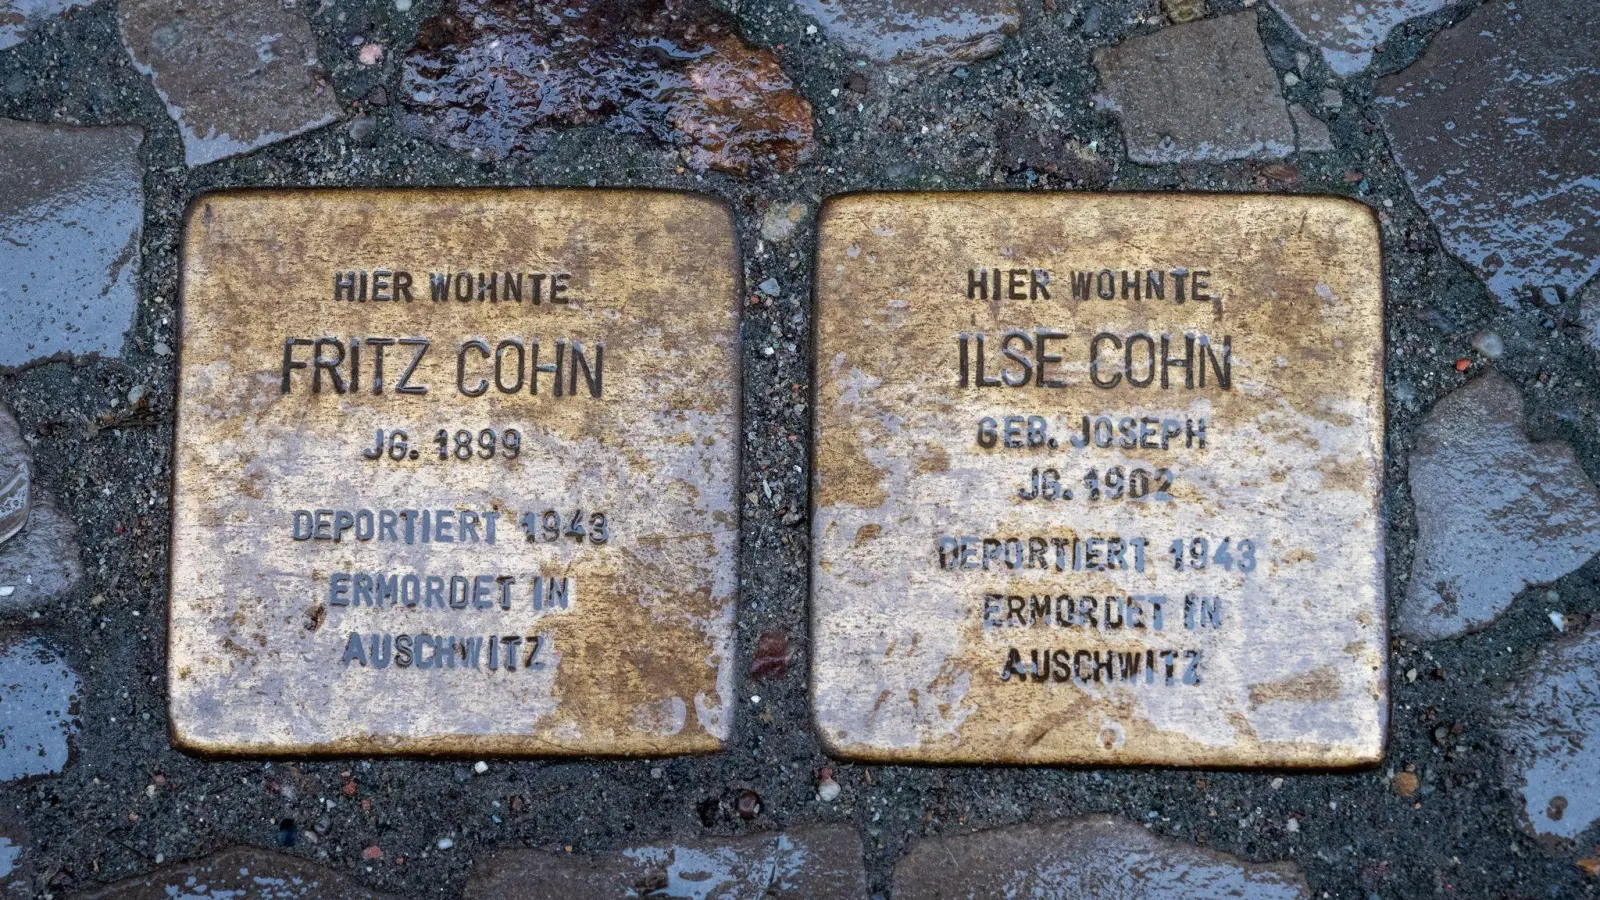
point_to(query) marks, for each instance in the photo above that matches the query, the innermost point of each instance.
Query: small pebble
(1558, 620)
(371, 54)
(402, 5)
(1404, 784)
(778, 223)
(480, 767)
(1489, 344)
(748, 805)
(828, 790)
(446, 843)
(361, 129)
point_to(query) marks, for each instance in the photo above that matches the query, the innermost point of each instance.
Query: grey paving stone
(1497, 128)
(1311, 135)
(1549, 725)
(813, 863)
(1347, 30)
(19, 17)
(1495, 512)
(38, 700)
(1201, 92)
(40, 561)
(238, 873)
(235, 76)
(1098, 857)
(71, 209)
(942, 34)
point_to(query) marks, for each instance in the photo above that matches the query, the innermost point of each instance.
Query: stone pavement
(1471, 128)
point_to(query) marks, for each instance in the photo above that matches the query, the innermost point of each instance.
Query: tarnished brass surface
(1274, 661)
(638, 660)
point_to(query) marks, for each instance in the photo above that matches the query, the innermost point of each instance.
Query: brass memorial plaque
(455, 473)
(1097, 480)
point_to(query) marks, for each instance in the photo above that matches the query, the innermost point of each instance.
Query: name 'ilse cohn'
(1018, 358)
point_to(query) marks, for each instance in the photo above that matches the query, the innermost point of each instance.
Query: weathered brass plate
(985, 589)
(517, 535)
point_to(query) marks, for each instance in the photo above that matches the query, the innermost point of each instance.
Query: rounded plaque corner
(183, 739)
(835, 205)
(1361, 215)
(203, 205)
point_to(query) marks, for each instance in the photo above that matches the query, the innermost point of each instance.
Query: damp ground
(1447, 826)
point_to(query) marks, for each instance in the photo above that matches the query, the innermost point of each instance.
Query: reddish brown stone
(772, 656)
(493, 76)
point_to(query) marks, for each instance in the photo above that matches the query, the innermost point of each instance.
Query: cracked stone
(495, 77)
(922, 34)
(1347, 31)
(19, 17)
(238, 873)
(1094, 856)
(235, 76)
(1479, 486)
(71, 209)
(1311, 135)
(40, 561)
(1517, 84)
(1549, 725)
(1201, 92)
(820, 861)
(39, 696)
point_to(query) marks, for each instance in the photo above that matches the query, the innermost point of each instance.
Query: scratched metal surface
(640, 662)
(909, 665)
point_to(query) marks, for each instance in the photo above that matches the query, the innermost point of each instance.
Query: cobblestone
(1481, 488)
(1550, 727)
(1095, 856)
(235, 76)
(1201, 92)
(927, 34)
(71, 210)
(1512, 82)
(816, 863)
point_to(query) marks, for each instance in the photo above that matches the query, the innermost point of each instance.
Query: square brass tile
(455, 473)
(1097, 480)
